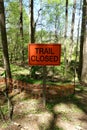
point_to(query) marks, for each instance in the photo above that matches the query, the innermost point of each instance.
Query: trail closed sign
(44, 54)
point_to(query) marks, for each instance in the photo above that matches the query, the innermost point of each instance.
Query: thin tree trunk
(83, 46)
(77, 44)
(66, 27)
(32, 21)
(72, 31)
(10, 104)
(78, 32)
(4, 39)
(21, 28)
(32, 29)
(56, 22)
(56, 35)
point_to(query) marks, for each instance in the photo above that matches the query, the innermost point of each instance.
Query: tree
(72, 31)
(83, 45)
(4, 39)
(53, 11)
(21, 19)
(32, 21)
(6, 56)
(21, 28)
(66, 28)
(17, 40)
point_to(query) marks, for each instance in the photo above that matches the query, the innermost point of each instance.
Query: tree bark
(21, 20)
(78, 32)
(4, 39)
(32, 26)
(65, 36)
(72, 31)
(83, 46)
(21, 28)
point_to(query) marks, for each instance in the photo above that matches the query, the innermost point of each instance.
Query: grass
(5, 125)
(50, 106)
(76, 105)
(5, 109)
(79, 88)
(22, 73)
(57, 128)
(15, 69)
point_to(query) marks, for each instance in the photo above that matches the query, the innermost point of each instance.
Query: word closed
(44, 54)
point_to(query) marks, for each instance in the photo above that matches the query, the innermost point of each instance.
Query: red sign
(44, 54)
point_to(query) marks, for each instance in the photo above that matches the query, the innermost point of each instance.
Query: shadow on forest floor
(60, 113)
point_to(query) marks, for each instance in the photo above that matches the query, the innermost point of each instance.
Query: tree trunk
(21, 28)
(32, 31)
(72, 31)
(83, 46)
(32, 21)
(65, 36)
(78, 32)
(4, 39)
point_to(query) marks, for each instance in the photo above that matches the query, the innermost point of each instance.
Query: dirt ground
(62, 114)
(59, 114)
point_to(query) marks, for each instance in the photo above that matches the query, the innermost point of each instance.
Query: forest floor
(67, 113)
(62, 114)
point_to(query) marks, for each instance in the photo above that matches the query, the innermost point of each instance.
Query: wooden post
(44, 86)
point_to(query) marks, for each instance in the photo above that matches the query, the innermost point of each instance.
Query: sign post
(44, 85)
(44, 54)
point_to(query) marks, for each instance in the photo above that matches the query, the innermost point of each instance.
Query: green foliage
(54, 1)
(57, 128)
(53, 11)
(13, 15)
(13, 31)
(79, 88)
(3, 74)
(41, 36)
(58, 2)
(5, 109)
